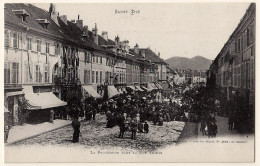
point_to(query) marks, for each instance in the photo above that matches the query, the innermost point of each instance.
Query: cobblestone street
(94, 134)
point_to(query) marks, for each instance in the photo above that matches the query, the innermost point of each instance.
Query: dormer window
(22, 14)
(43, 22)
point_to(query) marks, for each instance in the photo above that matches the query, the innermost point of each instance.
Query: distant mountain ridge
(195, 63)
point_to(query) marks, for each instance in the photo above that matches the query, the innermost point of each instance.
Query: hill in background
(195, 63)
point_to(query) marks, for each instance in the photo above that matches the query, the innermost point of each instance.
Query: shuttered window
(15, 40)
(15, 72)
(7, 72)
(29, 43)
(7, 39)
(46, 74)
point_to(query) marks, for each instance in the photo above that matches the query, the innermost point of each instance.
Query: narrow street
(222, 123)
(94, 134)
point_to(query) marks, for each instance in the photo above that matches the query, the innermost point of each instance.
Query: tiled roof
(70, 32)
(35, 13)
(150, 55)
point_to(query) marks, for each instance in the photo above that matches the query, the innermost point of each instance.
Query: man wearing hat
(76, 127)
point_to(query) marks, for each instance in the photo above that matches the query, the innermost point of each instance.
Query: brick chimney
(53, 14)
(64, 19)
(79, 23)
(95, 35)
(104, 35)
(85, 31)
(136, 48)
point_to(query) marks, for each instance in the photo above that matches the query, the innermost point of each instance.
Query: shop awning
(131, 87)
(6, 110)
(42, 101)
(139, 89)
(112, 91)
(158, 85)
(120, 91)
(14, 93)
(91, 91)
(149, 86)
(146, 88)
(154, 86)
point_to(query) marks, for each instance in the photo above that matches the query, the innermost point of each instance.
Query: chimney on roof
(159, 54)
(64, 19)
(94, 32)
(85, 31)
(104, 35)
(53, 13)
(117, 39)
(136, 48)
(79, 24)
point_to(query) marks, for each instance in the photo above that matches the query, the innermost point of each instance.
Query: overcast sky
(173, 29)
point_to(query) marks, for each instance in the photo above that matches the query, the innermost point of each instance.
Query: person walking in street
(51, 116)
(121, 124)
(203, 126)
(133, 128)
(7, 127)
(140, 126)
(146, 127)
(214, 129)
(94, 113)
(230, 123)
(76, 127)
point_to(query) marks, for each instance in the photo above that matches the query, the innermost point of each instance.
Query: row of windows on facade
(242, 76)
(14, 40)
(241, 43)
(121, 77)
(32, 73)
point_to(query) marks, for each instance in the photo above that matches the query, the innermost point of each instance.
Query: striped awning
(154, 86)
(158, 85)
(150, 87)
(145, 88)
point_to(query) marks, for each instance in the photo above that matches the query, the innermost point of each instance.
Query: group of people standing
(208, 126)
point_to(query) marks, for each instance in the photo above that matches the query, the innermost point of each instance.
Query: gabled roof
(102, 41)
(30, 22)
(68, 33)
(150, 55)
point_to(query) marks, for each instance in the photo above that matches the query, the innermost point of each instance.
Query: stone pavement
(190, 131)
(21, 132)
(222, 123)
(94, 134)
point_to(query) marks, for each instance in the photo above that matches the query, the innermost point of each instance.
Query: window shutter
(7, 38)
(251, 33)
(236, 46)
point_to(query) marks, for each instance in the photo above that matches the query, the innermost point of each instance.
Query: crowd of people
(132, 111)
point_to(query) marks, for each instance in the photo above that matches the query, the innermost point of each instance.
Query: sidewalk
(19, 133)
(223, 131)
